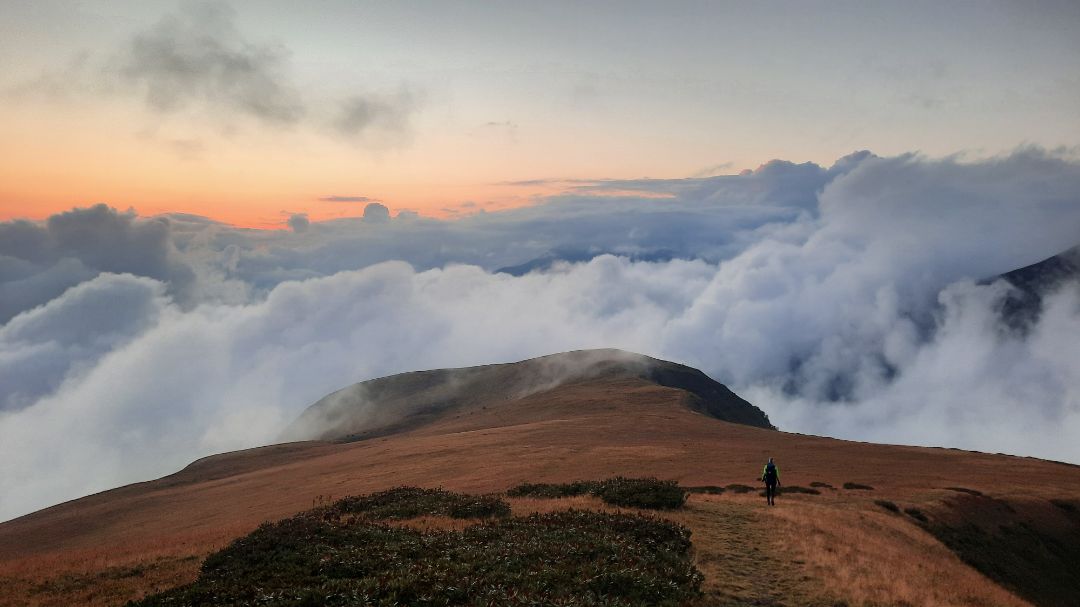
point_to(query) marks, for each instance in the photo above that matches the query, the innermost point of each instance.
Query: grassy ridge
(342, 555)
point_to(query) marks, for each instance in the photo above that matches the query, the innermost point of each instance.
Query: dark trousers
(770, 493)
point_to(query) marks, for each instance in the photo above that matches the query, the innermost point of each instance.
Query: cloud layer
(845, 301)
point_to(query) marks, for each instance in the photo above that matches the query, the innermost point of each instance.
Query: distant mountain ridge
(1023, 306)
(407, 401)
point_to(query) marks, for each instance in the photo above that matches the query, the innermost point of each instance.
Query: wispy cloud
(336, 198)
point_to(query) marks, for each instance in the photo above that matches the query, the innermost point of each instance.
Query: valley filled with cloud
(857, 300)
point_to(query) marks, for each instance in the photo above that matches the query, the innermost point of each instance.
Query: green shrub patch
(648, 493)
(566, 558)
(964, 490)
(737, 488)
(706, 489)
(916, 514)
(411, 502)
(886, 504)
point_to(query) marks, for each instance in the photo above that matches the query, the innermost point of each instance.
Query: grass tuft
(821, 485)
(857, 486)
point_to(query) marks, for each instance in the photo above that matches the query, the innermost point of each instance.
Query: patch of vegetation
(793, 489)
(566, 558)
(737, 488)
(916, 514)
(642, 493)
(1065, 505)
(964, 490)
(858, 487)
(706, 489)
(648, 493)
(886, 504)
(554, 490)
(411, 502)
(821, 485)
(1035, 561)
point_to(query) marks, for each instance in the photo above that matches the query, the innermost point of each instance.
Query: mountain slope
(411, 400)
(836, 545)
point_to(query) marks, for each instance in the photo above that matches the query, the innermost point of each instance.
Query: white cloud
(843, 304)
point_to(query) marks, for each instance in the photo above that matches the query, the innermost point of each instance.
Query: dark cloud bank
(851, 301)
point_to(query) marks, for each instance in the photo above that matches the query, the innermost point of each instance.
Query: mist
(855, 301)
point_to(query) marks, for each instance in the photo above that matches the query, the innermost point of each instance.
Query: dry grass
(866, 556)
(591, 431)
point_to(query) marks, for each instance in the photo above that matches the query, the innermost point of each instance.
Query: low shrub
(1067, 506)
(554, 490)
(648, 493)
(737, 488)
(411, 502)
(706, 489)
(821, 485)
(793, 489)
(857, 486)
(916, 514)
(964, 490)
(567, 558)
(886, 504)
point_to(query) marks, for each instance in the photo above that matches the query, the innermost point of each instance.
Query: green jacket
(764, 472)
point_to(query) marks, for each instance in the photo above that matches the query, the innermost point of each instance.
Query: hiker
(771, 477)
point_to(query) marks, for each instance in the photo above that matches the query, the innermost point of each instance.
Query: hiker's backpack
(770, 474)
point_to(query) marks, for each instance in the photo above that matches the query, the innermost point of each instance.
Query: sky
(214, 214)
(250, 112)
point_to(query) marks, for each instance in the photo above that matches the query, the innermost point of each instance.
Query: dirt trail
(741, 561)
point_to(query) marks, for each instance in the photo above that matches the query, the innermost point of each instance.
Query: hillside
(412, 400)
(964, 528)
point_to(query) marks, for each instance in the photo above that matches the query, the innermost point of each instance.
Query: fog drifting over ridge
(843, 301)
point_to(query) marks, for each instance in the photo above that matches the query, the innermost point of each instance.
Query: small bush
(886, 504)
(798, 489)
(619, 491)
(793, 489)
(706, 489)
(554, 490)
(737, 488)
(964, 490)
(411, 502)
(916, 514)
(1067, 506)
(822, 485)
(857, 486)
(642, 493)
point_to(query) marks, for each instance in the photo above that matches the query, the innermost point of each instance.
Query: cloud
(376, 213)
(843, 300)
(198, 56)
(298, 222)
(380, 120)
(39, 262)
(197, 63)
(346, 199)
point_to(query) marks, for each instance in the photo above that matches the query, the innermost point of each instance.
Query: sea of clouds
(849, 301)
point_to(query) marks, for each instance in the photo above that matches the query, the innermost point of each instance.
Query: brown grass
(580, 431)
(871, 557)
